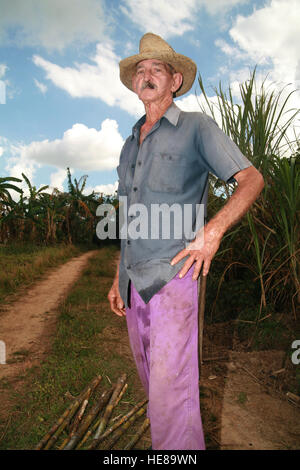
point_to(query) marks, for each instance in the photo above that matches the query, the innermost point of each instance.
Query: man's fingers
(197, 269)
(186, 266)
(206, 266)
(179, 256)
(116, 304)
(119, 311)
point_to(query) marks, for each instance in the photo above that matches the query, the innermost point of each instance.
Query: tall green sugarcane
(259, 122)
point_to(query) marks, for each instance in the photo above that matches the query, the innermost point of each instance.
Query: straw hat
(153, 46)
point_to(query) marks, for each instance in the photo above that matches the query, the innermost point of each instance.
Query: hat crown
(152, 43)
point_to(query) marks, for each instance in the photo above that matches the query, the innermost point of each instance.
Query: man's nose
(147, 75)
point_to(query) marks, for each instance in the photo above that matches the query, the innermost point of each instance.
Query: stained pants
(164, 340)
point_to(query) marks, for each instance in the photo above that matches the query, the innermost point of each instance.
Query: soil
(244, 404)
(27, 322)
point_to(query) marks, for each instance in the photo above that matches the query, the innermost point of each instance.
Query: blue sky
(61, 101)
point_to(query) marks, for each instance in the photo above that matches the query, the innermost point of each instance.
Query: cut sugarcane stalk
(109, 409)
(104, 398)
(138, 435)
(112, 428)
(123, 428)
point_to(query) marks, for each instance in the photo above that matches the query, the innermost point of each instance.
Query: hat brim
(181, 64)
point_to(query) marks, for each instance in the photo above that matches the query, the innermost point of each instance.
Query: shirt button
(135, 188)
(139, 163)
(128, 242)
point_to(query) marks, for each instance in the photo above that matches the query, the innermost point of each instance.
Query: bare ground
(243, 405)
(26, 324)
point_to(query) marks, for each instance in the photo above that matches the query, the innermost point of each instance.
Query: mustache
(148, 84)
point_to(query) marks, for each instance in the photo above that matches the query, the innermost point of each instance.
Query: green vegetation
(23, 263)
(256, 272)
(48, 218)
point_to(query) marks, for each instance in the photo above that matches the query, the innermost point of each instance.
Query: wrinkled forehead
(150, 62)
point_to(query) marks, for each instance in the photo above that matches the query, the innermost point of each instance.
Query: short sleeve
(218, 152)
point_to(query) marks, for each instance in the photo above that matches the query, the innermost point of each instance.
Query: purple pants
(164, 340)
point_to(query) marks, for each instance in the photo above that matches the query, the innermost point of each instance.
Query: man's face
(154, 81)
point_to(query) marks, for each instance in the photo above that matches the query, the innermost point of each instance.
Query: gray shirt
(171, 166)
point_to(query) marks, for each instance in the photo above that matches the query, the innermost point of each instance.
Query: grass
(87, 342)
(23, 263)
(242, 398)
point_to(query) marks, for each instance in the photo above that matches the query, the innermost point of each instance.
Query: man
(166, 161)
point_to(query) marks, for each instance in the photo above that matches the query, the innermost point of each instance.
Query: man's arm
(250, 184)
(115, 300)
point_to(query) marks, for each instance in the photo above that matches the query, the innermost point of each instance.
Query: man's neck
(155, 110)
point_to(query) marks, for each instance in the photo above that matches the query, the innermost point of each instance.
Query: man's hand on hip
(200, 252)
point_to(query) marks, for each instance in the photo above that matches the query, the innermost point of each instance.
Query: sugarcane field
(68, 374)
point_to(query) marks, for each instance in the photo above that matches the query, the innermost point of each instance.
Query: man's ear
(177, 81)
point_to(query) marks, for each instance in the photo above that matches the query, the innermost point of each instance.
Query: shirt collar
(172, 115)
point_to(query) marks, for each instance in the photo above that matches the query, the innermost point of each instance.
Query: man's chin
(148, 93)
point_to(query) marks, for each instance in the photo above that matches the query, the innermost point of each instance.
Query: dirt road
(26, 324)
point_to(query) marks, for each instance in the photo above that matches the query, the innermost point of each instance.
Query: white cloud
(5, 88)
(98, 80)
(189, 103)
(193, 103)
(53, 24)
(106, 189)
(231, 51)
(41, 86)
(57, 179)
(271, 36)
(19, 163)
(80, 147)
(172, 19)
(1, 151)
(157, 16)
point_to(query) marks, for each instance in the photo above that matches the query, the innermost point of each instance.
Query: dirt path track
(27, 322)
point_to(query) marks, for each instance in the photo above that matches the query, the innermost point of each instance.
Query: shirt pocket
(167, 173)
